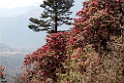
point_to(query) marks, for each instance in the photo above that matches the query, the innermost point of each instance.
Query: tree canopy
(56, 13)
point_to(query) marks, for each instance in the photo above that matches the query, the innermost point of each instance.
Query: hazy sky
(21, 3)
(18, 3)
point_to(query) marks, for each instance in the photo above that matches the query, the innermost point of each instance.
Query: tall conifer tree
(56, 13)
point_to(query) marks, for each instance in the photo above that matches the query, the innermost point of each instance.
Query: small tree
(56, 13)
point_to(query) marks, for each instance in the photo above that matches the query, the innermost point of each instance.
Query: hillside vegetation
(92, 51)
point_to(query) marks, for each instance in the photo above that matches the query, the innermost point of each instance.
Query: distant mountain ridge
(14, 31)
(14, 12)
(11, 59)
(5, 48)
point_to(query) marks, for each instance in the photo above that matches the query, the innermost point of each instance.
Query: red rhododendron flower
(85, 28)
(95, 2)
(117, 0)
(85, 31)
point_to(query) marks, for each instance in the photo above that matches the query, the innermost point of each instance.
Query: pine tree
(56, 13)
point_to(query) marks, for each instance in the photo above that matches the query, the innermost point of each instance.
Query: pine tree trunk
(55, 23)
(56, 18)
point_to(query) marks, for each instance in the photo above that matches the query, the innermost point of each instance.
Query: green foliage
(56, 13)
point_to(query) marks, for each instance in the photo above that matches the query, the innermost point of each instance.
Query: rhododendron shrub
(2, 74)
(100, 19)
(101, 25)
(57, 42)
(47, 61)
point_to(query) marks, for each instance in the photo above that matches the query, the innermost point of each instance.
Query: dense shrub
(99, 19)
(100, 24)
(48, 59)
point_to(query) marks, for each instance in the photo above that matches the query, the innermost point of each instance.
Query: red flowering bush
(57, 42)
(2, 74)
(100, 25)
(48, 59)
(100, 19)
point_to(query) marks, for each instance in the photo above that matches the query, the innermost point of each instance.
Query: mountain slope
(5, 48)
(15, 33)
(11, 59)
(14, 12)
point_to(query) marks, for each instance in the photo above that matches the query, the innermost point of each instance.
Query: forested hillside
(92, 51)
